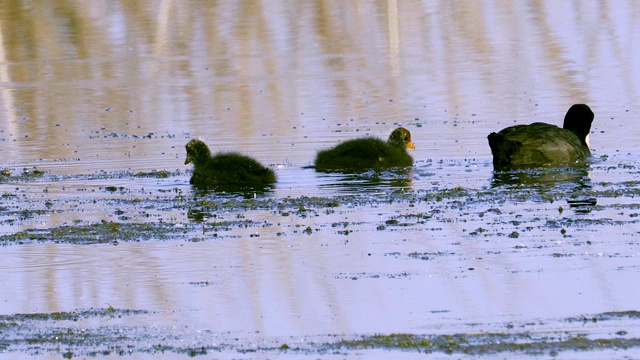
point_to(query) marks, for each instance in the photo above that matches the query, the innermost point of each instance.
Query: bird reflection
(233, 191)
(368, 182)
(572, 182)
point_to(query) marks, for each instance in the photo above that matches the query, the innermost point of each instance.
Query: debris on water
(161, 174)
(583, 206)
(583, 202)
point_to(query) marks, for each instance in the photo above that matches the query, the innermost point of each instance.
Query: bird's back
(232, 168)
(536, 144)
(359, 154)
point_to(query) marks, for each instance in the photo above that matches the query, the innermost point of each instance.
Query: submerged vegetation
(140, 217)
(72, 334)
(488, 343)
(509, 210)
(139, 214)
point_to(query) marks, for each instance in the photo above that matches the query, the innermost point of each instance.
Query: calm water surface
(95, 94)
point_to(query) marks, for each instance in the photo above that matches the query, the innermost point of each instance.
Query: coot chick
(368, 153)
(225, 169)
(544, 144)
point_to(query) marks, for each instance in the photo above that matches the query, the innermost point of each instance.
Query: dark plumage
(368, 153)
(544, 144)
(225, 169)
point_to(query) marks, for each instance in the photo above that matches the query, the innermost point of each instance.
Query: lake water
(98, 100)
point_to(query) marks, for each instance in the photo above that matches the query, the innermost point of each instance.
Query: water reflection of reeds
(270, 72)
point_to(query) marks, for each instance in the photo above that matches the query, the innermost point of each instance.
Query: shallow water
(100, 100)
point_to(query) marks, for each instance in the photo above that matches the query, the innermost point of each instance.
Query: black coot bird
(225, 169)
(368, 153)
(544, 144)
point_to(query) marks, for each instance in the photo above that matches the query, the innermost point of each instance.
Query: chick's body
(225, 168)
(368, 153)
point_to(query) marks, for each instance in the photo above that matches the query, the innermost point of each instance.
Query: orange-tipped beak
(411, 145)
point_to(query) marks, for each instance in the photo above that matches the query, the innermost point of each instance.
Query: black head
(197, 152)
(401, 137)
(578, 120)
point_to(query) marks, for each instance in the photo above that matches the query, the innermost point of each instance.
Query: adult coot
(368, 153)
(544, 144)
(225, 169)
